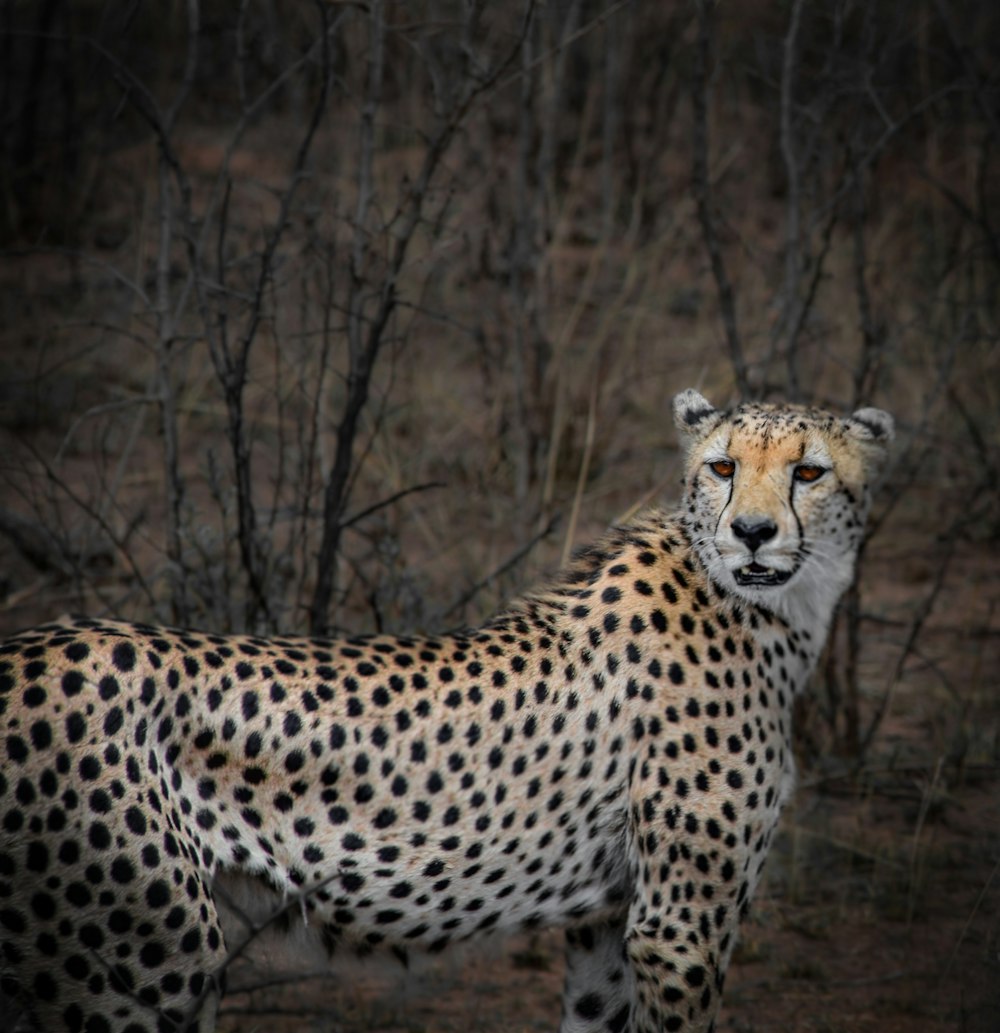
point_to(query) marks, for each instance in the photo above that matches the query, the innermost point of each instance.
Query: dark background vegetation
(320, 316)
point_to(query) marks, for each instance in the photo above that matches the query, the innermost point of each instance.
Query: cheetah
(608, 755)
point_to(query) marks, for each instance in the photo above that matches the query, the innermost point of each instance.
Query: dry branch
(701, 187)
(366, 330)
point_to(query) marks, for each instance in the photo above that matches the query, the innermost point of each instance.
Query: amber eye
(809, 473)
(723, 468)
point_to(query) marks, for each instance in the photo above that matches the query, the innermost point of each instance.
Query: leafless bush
(856, 92)
(342, 224)
(266, 231)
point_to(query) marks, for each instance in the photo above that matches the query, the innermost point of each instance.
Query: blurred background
(323, 316)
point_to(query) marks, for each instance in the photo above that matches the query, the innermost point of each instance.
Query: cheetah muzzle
(610, 754)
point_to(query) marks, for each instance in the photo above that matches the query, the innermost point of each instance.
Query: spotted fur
(609, 755)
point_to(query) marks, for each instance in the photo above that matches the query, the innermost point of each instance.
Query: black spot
(157, 896)
(41, 735)
(123, 657)
(45, 987)
(254, 745)
(100, 802)
(99, 836)
(695, 975)
(77, 651)
(38, 857)
(385, 818)
(43, 906)
(72, 683)
(34, 695)
(76, 728)
(113, 721)
(589, 1006)
(78, 895)
(122, 870)
(152, 954)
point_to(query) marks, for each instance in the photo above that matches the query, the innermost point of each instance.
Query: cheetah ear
(873, 426)
(693, 413)
(873, 430)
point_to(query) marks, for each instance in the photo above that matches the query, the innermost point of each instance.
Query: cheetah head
(776, 498)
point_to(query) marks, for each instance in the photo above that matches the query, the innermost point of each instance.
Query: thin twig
(793, 255)
(254, 929)
(581, 481)
(942, 565)
(499, 571)
(943, 980)
(395, 497)
(232, 367)
(701, 187)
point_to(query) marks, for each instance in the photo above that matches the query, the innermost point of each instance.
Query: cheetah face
(776, 498)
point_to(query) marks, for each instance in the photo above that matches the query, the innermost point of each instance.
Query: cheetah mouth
(757, 576)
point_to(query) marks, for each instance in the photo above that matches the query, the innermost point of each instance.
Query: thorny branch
(509, 563)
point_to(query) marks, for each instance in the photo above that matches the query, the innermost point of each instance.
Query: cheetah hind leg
(200, 1018)
(599, 988)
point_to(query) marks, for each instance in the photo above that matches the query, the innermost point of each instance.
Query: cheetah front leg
(599, 987)
(680, 935)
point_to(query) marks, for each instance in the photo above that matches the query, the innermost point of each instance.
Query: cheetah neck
(677, 574)
(806, 603)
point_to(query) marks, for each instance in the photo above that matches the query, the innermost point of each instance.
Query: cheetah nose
(754, 531)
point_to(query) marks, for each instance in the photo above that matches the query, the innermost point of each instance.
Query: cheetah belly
(446, 884)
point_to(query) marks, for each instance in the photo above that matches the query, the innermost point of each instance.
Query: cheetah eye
(808, 473)
(724, 468)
